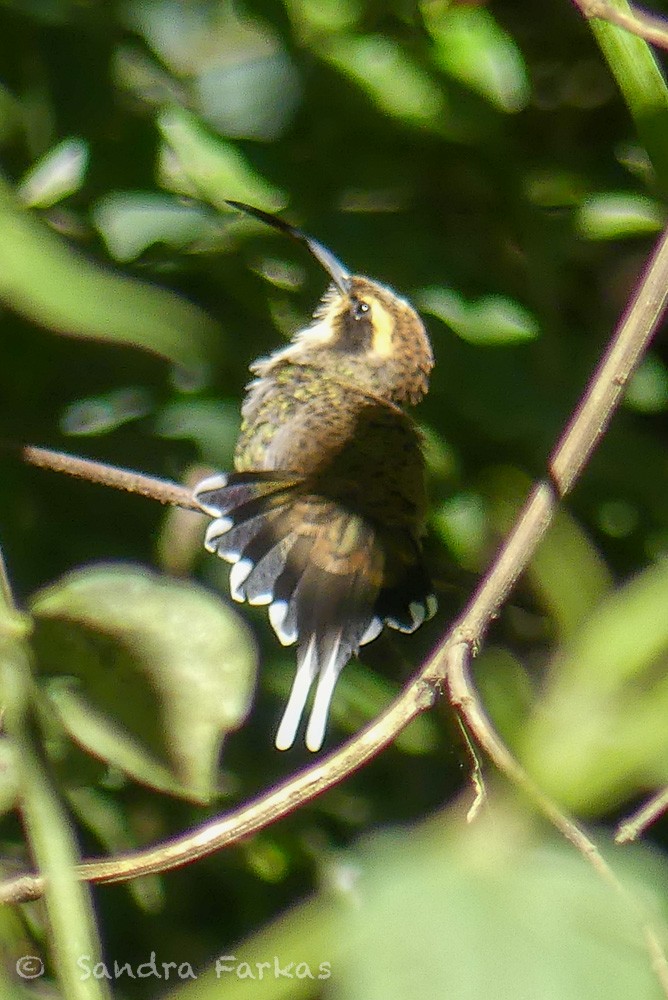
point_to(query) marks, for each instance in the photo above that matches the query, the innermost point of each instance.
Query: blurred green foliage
(499, 168)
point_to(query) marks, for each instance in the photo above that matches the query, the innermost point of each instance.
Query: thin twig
(476, 777)
(651, 28)
(632, 827)
(108, 475)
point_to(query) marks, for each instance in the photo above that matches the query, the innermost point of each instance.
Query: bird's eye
(360, 308)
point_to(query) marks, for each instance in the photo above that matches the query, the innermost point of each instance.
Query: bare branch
(636, 824)
(109, 475)
(651, 28)
(256, 815)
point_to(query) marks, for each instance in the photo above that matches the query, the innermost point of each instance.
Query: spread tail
(329, 583)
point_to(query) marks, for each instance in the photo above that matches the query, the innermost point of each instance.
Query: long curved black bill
(335, 269)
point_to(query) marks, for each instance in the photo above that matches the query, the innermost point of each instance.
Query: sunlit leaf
(495, 914)
(45, 279)
(492, 319)
(194, 161)
(647, 391)
(10, 786)
(462, 523)
(567, 572)
(616, 215)
(132, 221)
(474, 49)
(324, 15)
(394, 81)
(253, 98)
(56, 175)
(640, 78)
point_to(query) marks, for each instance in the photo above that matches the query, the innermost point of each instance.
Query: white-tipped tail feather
(307, 666)
(329, 674)
(276, 561)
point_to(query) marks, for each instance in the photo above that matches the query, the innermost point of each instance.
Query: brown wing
(322, 521)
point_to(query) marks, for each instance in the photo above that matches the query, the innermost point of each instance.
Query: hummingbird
(323, 515)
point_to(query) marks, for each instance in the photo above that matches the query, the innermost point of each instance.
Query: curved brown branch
(264, 810)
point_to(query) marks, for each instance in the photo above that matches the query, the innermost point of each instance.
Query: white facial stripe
(383, 325)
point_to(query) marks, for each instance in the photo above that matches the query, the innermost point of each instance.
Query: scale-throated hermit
(323, 515)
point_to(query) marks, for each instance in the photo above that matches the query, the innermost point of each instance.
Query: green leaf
(59, 173)
(489, 912)
(132, 221)
(43, 278)
(642, 83)
(51, 839)
(110, 739)
(617, 215)
(212, 424)
(474, 50)
(647, 391)
(492, 319)
(462, 523)
(599, 733)
(567, 572)
(391, 78)
(9, 778)
(161, 663)
(103, 414)
(193, 161)
(106, 817)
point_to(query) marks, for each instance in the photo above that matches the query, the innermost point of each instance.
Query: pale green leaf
(132, 221)
(616, 215)
(492, 319)
(45, 279)
(599, 733)
(647, 391)
(194, 161)
(476, 51)
(166, 661)
(393, 80)
(59, 173)
(493, 913)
